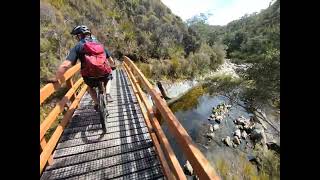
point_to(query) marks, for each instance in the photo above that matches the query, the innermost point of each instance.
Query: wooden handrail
(200, 164)
(50, 88)
(47, 151)
(46, 124)
(72, 96)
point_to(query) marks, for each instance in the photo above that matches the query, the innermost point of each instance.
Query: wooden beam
(50, 88)
(69, 84)
(47, 151)
(46, 124)
(47, 90)
(155, 126)
(159, 151)
(43, 143)
(199, 163)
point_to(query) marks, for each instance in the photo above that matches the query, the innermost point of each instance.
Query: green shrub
(57, 3)
(145, 69)
(45, 45)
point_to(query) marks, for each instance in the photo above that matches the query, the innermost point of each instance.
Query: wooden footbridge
(134, 146)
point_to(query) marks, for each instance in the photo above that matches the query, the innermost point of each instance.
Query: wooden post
(69, 84)
(162, 90)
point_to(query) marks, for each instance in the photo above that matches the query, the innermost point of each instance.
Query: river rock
(237, 133)
(244, 134)
(236, 140)
(258, 134)
(273, 146)
(215, 127)
(227, 140)
(210, 135)
(218, 121)
(219, 118)
(188, 170)
(246, 127)
(211, 128)
(253, 159)
(234, 145)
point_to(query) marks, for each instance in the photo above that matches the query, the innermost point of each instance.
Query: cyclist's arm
(108, 55)
(63, 68)
(111, 61)
(66, 64)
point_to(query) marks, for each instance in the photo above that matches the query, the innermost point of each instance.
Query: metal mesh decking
(126, 151)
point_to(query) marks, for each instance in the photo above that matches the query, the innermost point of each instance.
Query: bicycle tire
(103, 113)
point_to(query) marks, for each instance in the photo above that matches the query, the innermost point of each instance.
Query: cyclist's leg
(91, 84)
(93, 95)
(108, 87)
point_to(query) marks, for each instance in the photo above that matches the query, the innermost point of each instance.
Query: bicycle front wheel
(103, 113)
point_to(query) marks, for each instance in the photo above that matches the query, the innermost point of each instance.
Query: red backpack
(95, 61)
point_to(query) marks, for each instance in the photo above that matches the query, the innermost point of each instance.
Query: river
(193, 110)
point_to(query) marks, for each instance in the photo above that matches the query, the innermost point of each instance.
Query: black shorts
(94, 82)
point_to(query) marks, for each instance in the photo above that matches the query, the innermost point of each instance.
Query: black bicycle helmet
(82, 29)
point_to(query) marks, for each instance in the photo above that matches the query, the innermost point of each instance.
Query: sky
(223, 11)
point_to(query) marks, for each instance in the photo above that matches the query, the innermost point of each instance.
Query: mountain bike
(102, 99)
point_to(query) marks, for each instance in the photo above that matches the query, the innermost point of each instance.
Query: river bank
(194, 106)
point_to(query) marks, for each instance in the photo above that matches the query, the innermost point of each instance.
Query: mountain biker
(83, 35)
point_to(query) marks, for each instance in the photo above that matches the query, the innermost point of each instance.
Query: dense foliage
(163, 45)
(253, 39)
(140, 29)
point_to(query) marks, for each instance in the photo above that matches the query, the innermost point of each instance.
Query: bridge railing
(200, 164)
(70, 100)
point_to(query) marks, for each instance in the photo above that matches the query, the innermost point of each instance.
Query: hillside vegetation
(141, 29)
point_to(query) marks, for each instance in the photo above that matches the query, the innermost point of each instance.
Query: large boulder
(187, 168)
